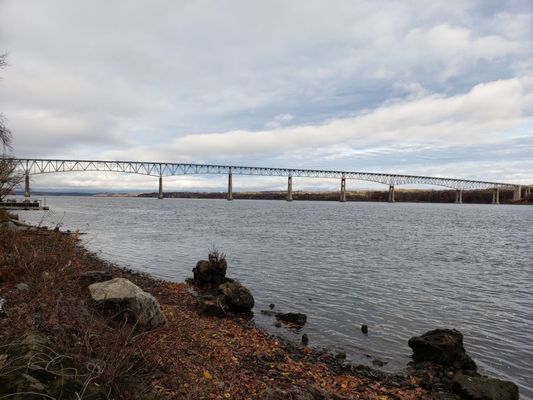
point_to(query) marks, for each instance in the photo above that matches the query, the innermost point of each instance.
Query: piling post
(289, 188)
(459, 196)
(391, 194)
(517, 194)
(343, 190)
(496, 196)
(26, 185)
(160, 196)
(230, 186)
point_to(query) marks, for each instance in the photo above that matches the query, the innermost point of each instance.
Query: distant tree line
(421, 196)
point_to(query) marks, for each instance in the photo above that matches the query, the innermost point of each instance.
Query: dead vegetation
(192, 357)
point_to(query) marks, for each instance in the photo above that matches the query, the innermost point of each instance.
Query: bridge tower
(343, 190)
(289, 188)
(391, 194)
(160, 196)
(26, 184)
(230, 186)
(496, 196)
(517, 194)
(459, 196)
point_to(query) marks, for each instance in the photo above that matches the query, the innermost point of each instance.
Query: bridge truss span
(33, 166)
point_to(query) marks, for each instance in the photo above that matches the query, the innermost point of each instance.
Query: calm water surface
(402, 269)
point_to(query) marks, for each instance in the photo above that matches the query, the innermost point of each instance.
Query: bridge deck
(31, 166)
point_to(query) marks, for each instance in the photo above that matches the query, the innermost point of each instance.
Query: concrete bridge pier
(391, 194)
(160, 196)
(527, 192)
(289, 189)
(343, 190)
(496, 196)
(459, 196)
(230, 186)
(26, 185)
(517, 194)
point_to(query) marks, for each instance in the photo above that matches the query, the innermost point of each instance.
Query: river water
(400, 268)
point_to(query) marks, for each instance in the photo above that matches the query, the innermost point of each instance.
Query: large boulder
(483, 388)
(210, 272)
(442, 346)
(127, 297)
(237, 297)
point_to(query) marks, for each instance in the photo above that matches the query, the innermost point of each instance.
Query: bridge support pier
(289, 188)
(230, 186)
(527, 192)
(517, 194)
(26, 185)
(459, 196)
(496, 196)
(160, 196)
(391, 194)
(343, 190)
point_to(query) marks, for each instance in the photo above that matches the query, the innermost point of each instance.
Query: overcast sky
(440, 88)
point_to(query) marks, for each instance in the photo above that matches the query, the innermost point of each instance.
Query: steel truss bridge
(33, 166)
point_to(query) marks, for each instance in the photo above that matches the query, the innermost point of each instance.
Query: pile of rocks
(444, 347)
(221, 294)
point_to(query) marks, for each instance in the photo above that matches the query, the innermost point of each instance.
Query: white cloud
(482, 115)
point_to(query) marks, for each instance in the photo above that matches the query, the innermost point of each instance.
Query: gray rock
(210, 307)
(22, 287)
(212, 271)
(8, 226)
(2, 310)
(442, 346)
(236, 296)
(128, 297)
(483, 388)
(293, 318)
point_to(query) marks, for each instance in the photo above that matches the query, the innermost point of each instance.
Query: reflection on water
(402, 269)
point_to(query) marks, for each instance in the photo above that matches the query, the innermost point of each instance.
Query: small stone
(272, 305)
(378, 363)
(341, 355)
(277, 324)
(294, 318)
(305, 339)
(364, 329)
(22, 287)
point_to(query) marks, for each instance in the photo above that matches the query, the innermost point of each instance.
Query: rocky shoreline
(73, 325)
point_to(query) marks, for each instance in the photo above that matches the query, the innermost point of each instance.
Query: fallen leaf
(207, 374)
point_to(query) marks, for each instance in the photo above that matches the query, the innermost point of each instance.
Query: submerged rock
(127, 297)
(293, 318)
(442, 346)
(483, 388)
(236, 296)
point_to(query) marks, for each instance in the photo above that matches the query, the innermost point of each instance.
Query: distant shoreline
(401, 195)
